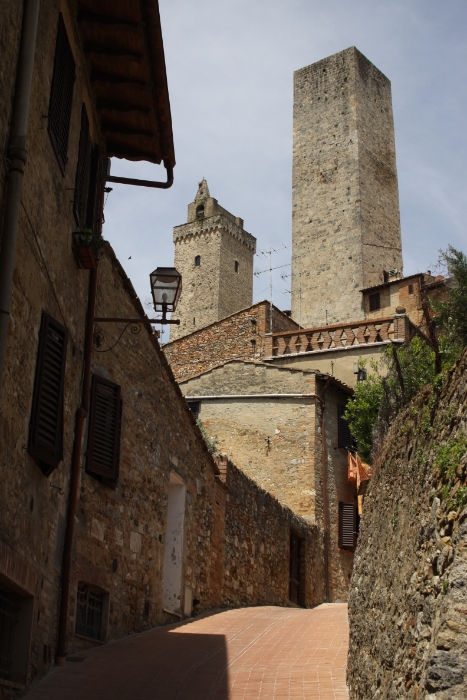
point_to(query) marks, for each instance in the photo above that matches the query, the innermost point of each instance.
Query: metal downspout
(17, 157)
(325, 494)
(81, 415)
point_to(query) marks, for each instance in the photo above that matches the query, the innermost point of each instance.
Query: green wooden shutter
(61, 95)
(46, 424)
(105, 413)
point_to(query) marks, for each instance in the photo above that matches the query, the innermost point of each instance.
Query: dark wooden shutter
(82, 171)
(46, 425)
(97, 180)
(104, 429)
(347, 525)
(296, 580)
(61, 95)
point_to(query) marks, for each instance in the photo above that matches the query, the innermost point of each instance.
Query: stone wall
(257, 547)
(345, 225)
(408, 599)
(242, 335)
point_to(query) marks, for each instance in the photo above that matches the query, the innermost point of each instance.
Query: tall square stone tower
(214, 255)
(345, 218)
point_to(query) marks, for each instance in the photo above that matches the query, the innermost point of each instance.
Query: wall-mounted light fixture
(166, 287)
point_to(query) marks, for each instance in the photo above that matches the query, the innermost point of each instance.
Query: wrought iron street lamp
(166, 287)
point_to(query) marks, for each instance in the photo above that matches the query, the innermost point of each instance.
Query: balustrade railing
(341, 335)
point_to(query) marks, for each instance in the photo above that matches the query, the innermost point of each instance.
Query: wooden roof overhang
(122, 42)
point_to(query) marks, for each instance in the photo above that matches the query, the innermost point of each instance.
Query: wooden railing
(341, 335)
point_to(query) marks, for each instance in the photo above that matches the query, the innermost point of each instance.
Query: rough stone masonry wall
(257, 547)
(241, 335)
(408, 599)
(345, 200)
(213, 289)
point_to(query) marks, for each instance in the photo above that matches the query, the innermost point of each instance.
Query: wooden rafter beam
(101, 77)
(105, 20)
(119, 106)
(106, 50)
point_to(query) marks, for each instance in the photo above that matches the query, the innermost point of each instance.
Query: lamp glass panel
(166, 288)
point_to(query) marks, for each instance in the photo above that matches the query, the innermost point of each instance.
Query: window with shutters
(82, 172)
(103, 453)
(347, 525)
(61, 95)
(345, 438)
(95, 200)
(45, 443)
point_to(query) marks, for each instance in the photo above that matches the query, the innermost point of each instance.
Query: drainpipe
(325, 494)
(81, 415)
(17, 156)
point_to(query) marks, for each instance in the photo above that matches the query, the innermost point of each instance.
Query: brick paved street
(248, 654)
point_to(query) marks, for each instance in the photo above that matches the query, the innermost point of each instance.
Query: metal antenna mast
(270, 269)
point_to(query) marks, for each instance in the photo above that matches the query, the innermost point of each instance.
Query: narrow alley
(244, 654)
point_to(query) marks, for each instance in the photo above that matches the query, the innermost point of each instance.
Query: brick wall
(242, 335)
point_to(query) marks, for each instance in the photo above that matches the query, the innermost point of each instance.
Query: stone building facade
(269, 421)
(345, 216)
(214, 255)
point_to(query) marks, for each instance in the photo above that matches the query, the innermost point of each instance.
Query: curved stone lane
(261, 653)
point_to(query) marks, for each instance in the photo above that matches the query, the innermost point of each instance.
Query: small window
(95, 198)
(194, 407)
(236, 266)
(410, 288)
(200, 211)
(198, 261)
(347, 525)
(103, 454)
(375, 302)
(45, 443)
(89, 612)
(345, 438)
(61, 95)
(385, 276)
(194, 321)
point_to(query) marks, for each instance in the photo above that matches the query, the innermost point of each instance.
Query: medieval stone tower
(214, 255)
(345, 225)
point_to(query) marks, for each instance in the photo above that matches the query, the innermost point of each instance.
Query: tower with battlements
(345, 225)
(214, 255)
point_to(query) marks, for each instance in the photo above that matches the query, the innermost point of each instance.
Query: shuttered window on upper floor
(95, 203)
(103, 453)
(45, 443)
(61, 95)
(82, 171)
(347, 525)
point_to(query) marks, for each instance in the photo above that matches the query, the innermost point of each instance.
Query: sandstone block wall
(345, 216)
(408, 597)
(241, 335)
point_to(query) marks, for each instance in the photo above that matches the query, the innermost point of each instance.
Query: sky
(230, 67)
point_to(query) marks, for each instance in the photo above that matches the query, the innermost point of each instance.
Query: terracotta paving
(263, 653)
